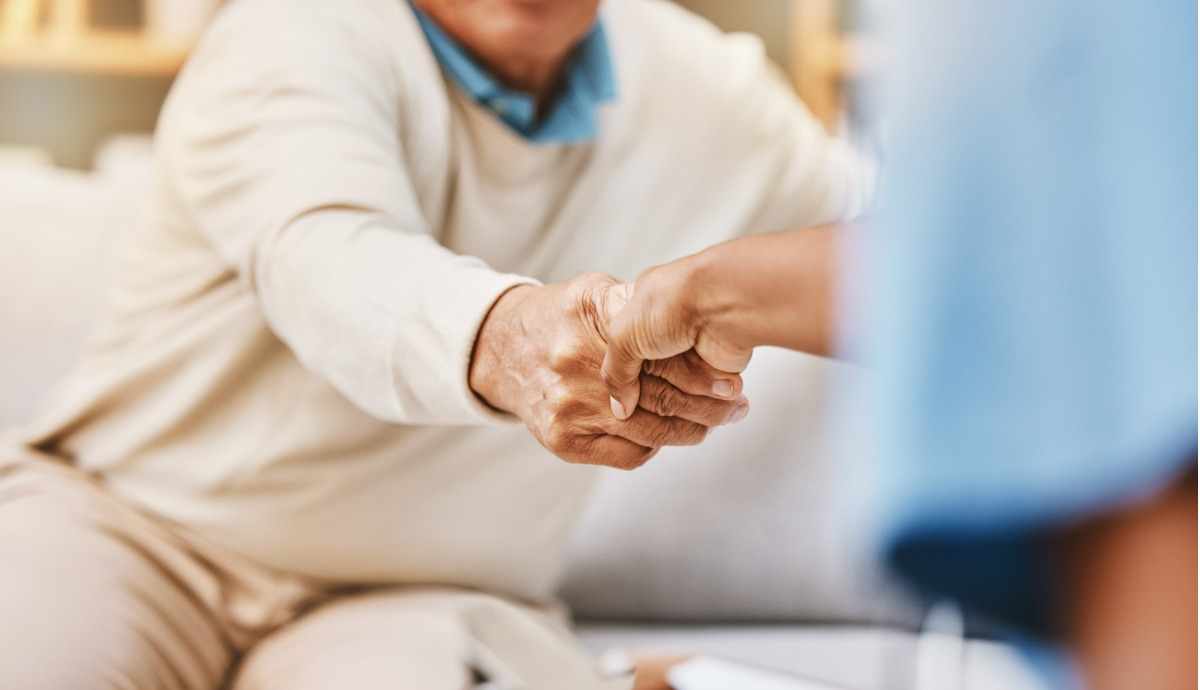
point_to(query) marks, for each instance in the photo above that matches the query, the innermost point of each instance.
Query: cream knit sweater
(283, 367)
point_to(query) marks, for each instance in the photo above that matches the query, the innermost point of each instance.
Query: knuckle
(663, 399)
(596, 277)
(633, 459)
(559, 436)
(610, 380)
(662, 434)
(584, 286)
(697, 436)
(623, 463)
(689, 434)
(573, 409)
(695, 361)
(562, 432)
(565, 355)
(675, 367)
(707, 412)
(642, 457)
(658, 367)
(576, 459)
(560, 419)
(680, 372)
(557, 441)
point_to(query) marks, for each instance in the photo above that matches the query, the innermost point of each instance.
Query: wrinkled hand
(668, 313)
(538, 356)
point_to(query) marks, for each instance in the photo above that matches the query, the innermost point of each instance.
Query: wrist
(491, 375)
(716, 296)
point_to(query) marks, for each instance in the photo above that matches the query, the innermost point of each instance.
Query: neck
(537, 77)
(522, 69)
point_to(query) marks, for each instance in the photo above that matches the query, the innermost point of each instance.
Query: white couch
(733, 548)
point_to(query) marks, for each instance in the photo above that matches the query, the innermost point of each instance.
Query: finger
(614, 300)
(665, 400)
(691, 374)
(622, 368)
(654, 431)
(614, 451)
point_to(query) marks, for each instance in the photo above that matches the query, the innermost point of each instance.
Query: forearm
(773, 289)
(388, 318)
(1130, 593)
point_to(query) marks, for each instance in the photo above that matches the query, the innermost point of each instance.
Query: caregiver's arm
(773, 289)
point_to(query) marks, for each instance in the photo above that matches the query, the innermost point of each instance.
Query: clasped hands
(543, 354)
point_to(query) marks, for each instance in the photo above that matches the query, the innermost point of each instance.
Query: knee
(82, 604)
(367, 642)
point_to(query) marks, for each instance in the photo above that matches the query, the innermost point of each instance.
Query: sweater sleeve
(729, 105)
(284, 149)
(814, 177)
(819, 178)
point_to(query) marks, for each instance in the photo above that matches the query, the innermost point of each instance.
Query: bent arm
(285, 149)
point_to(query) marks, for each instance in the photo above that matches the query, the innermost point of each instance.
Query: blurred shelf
(94, 51)
(824, 59)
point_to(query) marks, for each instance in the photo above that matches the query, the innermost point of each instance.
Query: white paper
(707, 673)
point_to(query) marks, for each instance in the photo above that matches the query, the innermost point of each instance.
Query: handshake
(603, 376)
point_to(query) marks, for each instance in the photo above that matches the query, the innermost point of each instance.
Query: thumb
(621, 369)
(614, 300)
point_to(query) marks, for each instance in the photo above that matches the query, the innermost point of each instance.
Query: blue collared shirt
(571, 118)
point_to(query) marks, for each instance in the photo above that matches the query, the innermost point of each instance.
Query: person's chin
(537, 5)
(538, 38)
(551, 15)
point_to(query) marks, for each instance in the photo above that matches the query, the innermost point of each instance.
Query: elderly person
(379, 235)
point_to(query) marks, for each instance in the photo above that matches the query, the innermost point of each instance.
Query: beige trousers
(97, 595)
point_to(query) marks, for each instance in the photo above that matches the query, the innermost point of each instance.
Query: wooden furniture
(66, 42)
(823, 59)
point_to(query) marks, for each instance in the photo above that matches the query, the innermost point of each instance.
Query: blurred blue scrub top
(1031, 309)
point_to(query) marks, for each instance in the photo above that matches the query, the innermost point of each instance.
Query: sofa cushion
(61, 234)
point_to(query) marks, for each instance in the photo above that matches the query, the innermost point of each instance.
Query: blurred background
(74, 73)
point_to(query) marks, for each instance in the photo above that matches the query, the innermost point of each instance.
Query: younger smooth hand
(667, 315)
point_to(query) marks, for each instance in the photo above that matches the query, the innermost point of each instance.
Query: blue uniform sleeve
(1031, 312)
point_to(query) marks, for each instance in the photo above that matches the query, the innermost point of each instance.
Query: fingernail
(617, 408)
(739, 413)
(723, 388)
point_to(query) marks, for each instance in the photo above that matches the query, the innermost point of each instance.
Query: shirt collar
(571, 118)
